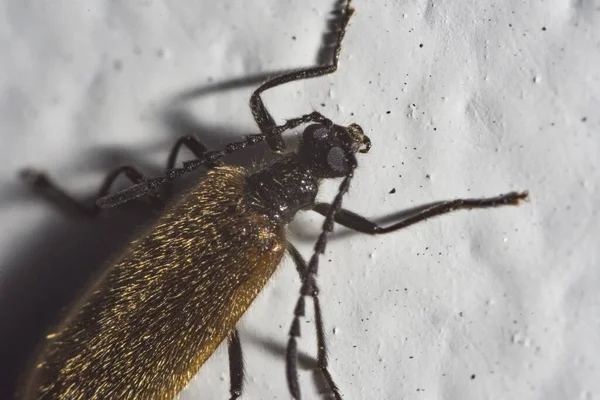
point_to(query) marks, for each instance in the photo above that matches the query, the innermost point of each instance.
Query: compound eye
(337, 160)
(317, 132)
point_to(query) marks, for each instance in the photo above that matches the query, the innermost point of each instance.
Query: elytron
(157, 312)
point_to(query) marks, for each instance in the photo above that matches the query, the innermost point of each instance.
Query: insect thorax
(283, 189)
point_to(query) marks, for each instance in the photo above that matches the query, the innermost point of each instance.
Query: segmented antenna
(151, 184)
(310, 288)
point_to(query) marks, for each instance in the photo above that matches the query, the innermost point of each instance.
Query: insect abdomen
(161, 309)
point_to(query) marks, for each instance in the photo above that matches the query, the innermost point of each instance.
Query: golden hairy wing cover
(164, 305)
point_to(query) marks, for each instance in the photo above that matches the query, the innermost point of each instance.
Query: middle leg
(236, 366)
(291, 359)
(193, 145)
(43, 183)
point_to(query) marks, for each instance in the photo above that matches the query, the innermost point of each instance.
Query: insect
(158, 311)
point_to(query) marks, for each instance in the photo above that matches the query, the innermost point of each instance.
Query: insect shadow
(327, 151)
(46, 271)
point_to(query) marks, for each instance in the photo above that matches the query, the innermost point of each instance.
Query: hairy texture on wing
(161, 309)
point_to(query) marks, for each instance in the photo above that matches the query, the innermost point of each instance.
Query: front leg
(361, 224)
(261, 115)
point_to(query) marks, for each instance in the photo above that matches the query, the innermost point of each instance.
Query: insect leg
(291, 358)
(298, 260)
(196, 147)
(148, 185)
(358, 223)
(322, 361)
(40, 181)
(263, 118)
(310, 288)
(236, 366)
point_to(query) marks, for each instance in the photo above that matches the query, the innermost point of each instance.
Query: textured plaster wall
(460, 98)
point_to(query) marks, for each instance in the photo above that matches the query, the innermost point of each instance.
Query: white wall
(501, 96)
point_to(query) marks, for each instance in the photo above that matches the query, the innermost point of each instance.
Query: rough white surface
(459, 98)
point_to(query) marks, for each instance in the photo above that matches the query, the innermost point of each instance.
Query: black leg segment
(299, 261)
(263, 118)
(40, 181)
(322, 363)
(195, 146)
(149, 185)
(310, 288)
(236, 366)
(361, 224)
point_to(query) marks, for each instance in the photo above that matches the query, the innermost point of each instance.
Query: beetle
(160, 308)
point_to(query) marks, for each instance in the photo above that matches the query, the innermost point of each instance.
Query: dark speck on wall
(473, 376)
(393, 191)
(421, 45)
